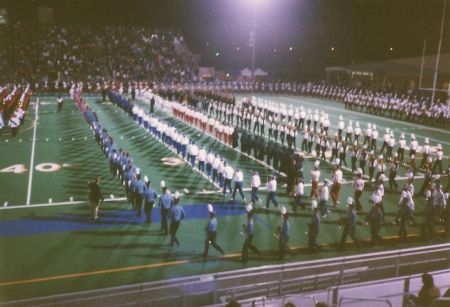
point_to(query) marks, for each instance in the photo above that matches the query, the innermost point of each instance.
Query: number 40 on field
(42, 167)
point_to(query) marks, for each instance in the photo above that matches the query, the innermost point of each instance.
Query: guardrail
(364, 300)
(267, 281)
(395, 290)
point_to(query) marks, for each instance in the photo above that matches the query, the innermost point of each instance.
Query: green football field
(49, 246)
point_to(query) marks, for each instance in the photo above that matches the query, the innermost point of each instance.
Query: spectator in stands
(90, 53)
(428, 293)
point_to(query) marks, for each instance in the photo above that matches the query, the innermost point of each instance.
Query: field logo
(170, 161)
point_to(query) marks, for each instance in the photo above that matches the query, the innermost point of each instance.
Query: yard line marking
(295, 248)
(99, 272)
(61, 203)
(195, 169)
(33, 147)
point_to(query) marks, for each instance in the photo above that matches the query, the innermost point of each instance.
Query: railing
(266, 281)
(359, 301)
(395, 290)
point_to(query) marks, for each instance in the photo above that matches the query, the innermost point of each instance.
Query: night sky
(321, 32)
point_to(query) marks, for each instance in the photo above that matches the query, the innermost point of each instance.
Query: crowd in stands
(44, 53)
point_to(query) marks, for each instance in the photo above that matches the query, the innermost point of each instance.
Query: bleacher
(45, 54)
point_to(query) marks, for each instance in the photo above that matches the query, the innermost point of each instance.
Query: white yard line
(33, 147)
(60, 203)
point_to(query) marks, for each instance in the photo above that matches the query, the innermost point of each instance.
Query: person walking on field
(211, 232)
(95, 197)
(248, 232)
(176, 214)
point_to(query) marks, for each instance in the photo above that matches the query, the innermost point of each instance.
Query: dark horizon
(358, 30)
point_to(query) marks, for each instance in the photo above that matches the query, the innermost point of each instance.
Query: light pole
(253, 38)
(436, 68)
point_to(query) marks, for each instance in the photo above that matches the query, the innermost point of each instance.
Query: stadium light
(255, 5)
(256, 2)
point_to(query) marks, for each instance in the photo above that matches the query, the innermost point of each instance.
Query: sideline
(165, 264)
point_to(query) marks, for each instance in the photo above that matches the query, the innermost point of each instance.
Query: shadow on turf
(120, 233)
(85, 220)
(129, 246)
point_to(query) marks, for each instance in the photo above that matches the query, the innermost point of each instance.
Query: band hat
(349, 201)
